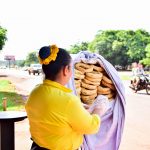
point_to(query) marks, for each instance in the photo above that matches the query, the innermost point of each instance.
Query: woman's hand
(87, 107)
(100, 110)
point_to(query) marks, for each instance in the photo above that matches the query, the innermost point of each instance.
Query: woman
(57, 118)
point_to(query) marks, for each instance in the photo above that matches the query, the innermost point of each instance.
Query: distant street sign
(9, 57)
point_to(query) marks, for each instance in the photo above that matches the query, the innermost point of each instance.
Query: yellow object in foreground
(57, 118)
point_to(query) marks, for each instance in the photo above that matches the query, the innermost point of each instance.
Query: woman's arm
(80, 119)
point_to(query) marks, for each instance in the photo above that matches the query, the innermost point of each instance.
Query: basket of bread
(92, 80)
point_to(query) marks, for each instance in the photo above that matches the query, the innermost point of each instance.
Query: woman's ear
(65, 70)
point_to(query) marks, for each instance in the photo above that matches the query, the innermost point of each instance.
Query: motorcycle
(143, 84)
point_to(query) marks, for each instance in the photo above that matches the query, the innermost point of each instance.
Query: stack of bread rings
(91, 81)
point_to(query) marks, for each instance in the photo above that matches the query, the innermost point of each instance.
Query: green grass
(14, 100)
(125, 77)
(129, 76)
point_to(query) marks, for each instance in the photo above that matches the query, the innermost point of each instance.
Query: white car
(35, 68)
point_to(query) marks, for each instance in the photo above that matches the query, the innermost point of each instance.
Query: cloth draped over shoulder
(112, 122)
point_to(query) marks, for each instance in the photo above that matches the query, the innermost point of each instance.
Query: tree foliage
(78, 47)
(20, 63)
(146, 60)
(121, 46)
(3, 37)
(31, 58)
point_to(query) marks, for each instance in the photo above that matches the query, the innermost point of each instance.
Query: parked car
(2, 67)
(118, 67)
(35, 69)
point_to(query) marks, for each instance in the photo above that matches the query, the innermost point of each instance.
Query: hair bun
(44, 52)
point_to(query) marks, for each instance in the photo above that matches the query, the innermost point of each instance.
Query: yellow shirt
(57, 118)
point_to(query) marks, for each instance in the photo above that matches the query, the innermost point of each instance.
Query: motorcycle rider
(137, 72)
(140, 69)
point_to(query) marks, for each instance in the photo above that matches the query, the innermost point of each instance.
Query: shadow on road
(142, 93)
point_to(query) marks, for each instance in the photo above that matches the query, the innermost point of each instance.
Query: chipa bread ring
(79, 76)
(107, 80)
(84, 67)
(87, 97)
(88, 86)
(89, 101)
(93, 79)
(94, 75)
(88, 92)
(78, 72)
(111, 86)
(99, 69)
(91, 82)
(103, 90)
(77, 81)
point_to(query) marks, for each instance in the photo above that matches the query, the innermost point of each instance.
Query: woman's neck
(60, 81)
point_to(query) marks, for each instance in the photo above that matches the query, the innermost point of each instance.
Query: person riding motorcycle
(137, 72)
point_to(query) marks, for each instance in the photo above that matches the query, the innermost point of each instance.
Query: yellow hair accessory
(52, 57)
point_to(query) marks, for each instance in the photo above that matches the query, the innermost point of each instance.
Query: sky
(32, 24)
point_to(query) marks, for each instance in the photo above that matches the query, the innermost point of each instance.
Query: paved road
(136, 134)
(137, 126)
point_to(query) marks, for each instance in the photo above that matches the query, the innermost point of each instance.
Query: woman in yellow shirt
(57, 118)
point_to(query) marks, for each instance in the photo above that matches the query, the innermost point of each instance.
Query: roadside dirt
(22, 134)
(19, 83)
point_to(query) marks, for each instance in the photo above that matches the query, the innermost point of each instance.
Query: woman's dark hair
(52, 69)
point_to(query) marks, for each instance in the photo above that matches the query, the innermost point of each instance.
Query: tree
(31, 58)
(146, 61)
(3, 37)
(109, 45)
(119, 53)
(125, 46)
(20, 63)
(78, 47)
(137, 45)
